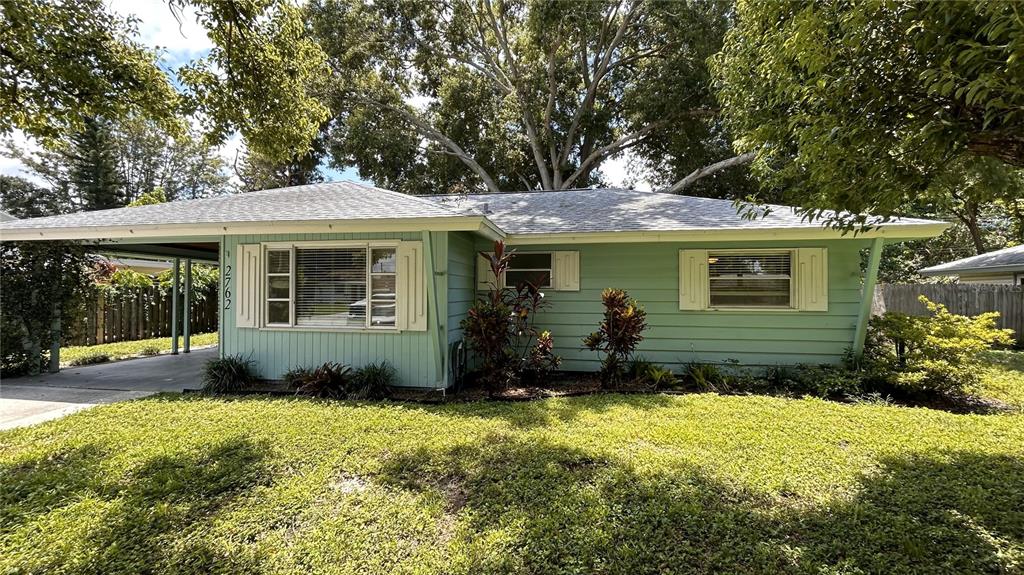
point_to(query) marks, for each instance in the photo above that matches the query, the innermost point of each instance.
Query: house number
(227, 287)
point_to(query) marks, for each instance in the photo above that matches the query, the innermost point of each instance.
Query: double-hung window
(331, 286)
(527, 267)
(754, 279)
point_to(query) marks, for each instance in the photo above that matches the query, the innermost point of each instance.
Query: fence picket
(140, 315)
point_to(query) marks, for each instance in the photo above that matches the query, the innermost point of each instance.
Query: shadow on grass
(146, 521)
(566, 511)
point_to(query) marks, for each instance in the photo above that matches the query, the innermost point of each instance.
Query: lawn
(602, 484)
(126, 349)
(1004, 378)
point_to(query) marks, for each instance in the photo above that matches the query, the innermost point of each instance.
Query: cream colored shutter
(249, 292)
(693, 279)
(484, 275)
(412, 289)
(812, 279)
(566, 271)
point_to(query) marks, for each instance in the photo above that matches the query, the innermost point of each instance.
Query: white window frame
(793, 304)
(550, 269)
(292, 247)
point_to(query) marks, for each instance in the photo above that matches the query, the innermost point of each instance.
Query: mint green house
(350, 273)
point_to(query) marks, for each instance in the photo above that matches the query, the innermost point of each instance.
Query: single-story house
(1005, 266)
(351, 273)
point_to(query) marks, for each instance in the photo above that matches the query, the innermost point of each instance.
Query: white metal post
(186, 319)
(174, 306)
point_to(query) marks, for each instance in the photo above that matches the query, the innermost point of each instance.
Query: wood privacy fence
(140, 314)
(963, 299)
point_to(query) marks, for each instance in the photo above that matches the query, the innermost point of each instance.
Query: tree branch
(707, 171)
(617, 146)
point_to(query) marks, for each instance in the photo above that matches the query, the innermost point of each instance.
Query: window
(331, 287)
(755, 279)
(534, 268)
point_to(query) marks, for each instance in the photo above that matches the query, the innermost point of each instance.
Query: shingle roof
(329, 201)
(615, 210)
(1007, 259)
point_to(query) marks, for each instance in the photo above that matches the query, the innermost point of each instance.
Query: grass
(126, 349)
(602, 484)
(1004, 378)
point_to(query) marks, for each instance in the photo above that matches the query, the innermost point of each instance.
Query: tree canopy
(514, 94)
(63, 61)
(865, 106)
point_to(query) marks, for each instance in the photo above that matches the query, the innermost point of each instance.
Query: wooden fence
(142, 314)
(964, 299)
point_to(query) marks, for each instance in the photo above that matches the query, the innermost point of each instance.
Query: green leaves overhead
(859, 106)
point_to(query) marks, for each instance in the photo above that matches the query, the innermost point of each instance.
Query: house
(351, 273)
(1005, 266)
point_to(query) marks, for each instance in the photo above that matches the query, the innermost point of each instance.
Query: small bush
(90, 359)
(708, 377)
(150, 350)
(815, 380)
(939, 354)
(618, 335)
(293, 377)
(227, 374)
(374, 380)
(329, 381)
(661, 377)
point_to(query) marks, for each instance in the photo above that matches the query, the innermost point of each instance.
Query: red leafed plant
(618, 335)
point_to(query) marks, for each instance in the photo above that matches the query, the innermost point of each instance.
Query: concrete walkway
(30, 400)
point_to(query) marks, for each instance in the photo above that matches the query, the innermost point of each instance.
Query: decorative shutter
(484, 275)
(412, 288)
(693, 279)
(566, 271)
(248, 295)
(812, 279)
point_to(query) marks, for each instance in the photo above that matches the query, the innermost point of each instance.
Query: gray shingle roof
(330, 201)
(614, 210)
(1007, 259)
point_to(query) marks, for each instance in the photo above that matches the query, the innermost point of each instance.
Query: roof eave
(444, 223)
(972, 270)
(893, 232)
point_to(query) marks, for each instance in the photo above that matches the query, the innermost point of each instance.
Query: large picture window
(331, 287)
(756, 279)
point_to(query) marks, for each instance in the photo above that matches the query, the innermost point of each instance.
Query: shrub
(329, 381)
(708, 377)
(227, 374)
(499, 329)
(661, 377)
(815, 380)
(618, 335)
(542, 359)
(91, 359)
(293, 377)
(373, 380)
(940, 353)
(150, 350)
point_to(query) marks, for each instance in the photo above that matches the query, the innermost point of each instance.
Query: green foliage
(294, 376)
(825, 381)
(129, 279)
(639, 371)
(127, 349)
(328, 381)
(90, 359)
(707, 377)
(695, 483)
(618, 335)
(500, 329)
(205, 281)
(227, 374)
(521, 95)
(150, 198)
(940, 353)
(864, 106)
(374, 380)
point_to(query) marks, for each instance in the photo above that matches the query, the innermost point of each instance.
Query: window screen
(529, 268)
(330, 287)
(750, 280)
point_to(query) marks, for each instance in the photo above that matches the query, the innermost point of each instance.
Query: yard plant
(620, 331)
(612, 483)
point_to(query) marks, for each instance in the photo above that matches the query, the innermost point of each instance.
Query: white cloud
(182, 37)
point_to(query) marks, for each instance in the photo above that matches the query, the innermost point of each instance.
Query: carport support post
(187, 318)
(870, 278)
(174, 306)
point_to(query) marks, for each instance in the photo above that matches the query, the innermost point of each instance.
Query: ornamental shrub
(940, 353)
(618, 334)
(329, 381)
(227, 374)
(374, 381)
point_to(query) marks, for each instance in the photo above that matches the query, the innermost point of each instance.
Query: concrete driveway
(30, 400)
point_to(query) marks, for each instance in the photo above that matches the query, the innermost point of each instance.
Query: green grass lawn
(603, 484)
(125, 349)
(1004, 378)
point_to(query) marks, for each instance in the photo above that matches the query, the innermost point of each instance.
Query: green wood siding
(277, 351)
(650, 273)
(461, 280)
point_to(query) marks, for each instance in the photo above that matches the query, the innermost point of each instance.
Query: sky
(182, 39)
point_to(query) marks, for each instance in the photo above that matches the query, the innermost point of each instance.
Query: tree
(860, 106)
(63, 61)
(258, 172)
(151, 198)
(443, 96)
(92, 167)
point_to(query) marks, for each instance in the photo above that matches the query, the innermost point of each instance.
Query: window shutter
(812, 279)
(693, 279)
(412, 288)
(566, 271)
(484, 275)
(248, 295)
